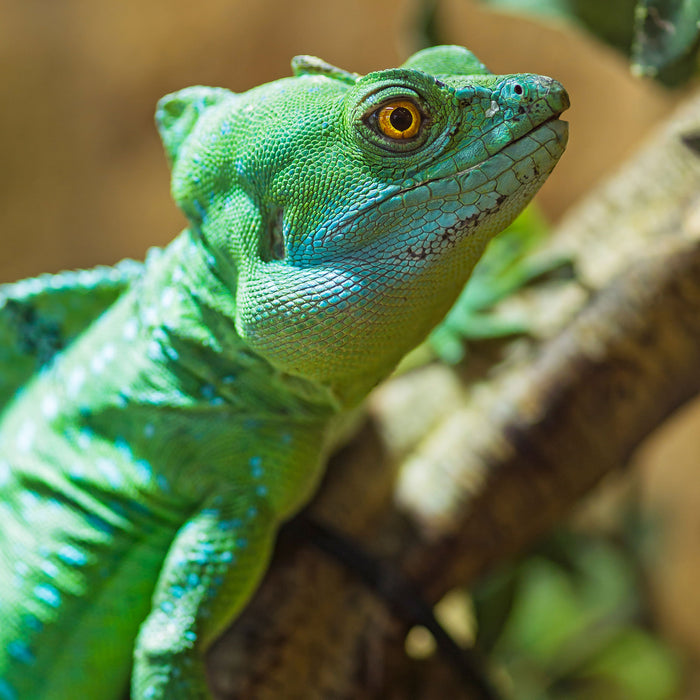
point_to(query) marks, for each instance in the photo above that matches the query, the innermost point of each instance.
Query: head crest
(178, 112)
(447, 60)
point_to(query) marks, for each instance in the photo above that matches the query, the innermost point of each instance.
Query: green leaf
(666, 39)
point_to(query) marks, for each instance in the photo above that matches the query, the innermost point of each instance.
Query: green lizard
(160, 420)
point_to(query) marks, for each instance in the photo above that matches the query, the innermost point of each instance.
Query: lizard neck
(187, 311)
(165, 373)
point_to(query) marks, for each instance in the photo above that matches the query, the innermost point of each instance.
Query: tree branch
(449, 477)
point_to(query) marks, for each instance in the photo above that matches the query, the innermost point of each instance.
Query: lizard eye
(400, 119)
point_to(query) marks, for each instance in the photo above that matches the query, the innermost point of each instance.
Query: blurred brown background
(84, 181)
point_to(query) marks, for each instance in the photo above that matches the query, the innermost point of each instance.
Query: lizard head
(344, 212)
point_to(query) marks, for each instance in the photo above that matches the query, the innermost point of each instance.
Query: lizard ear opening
(447, 60)
(178, 112)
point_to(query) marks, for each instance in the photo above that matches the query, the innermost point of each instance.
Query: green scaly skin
(147, 458)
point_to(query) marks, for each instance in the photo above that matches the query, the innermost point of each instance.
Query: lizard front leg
(213, 566)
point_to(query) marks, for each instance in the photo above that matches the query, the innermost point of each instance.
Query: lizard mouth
(557, 137)
(543, 145)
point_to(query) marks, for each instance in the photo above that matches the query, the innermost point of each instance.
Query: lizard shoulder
(42, 315)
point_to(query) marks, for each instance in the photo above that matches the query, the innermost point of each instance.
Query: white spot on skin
(76, 379)
(4, 472)
(154, 351)
(97, 364)
(25, 436)
(49, 568)
(144, 471)
(29, 501)
(108, 352)
(84, 439)
(110, 471)
(72, 556)
(48, 594)
(150, 317)
(493, 109)
(49, 406)
(130, 329)
(167, 297)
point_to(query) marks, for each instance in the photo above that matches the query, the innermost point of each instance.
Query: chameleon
(160, 420)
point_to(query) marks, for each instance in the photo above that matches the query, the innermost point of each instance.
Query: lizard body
(158, 435)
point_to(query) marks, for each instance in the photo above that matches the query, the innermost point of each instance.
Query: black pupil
(401, 119)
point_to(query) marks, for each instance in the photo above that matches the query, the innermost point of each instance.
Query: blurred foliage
(573, 620)
(570, 622)
(667, 39)
(661, 37)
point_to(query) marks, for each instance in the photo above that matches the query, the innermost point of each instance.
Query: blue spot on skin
(193, 580)
(256, 467)
(32, 623)
(154, 351)
(190, 636)
(167, 607)
(149, 430)
(226, 557)
(177, 591)
(208, 391)
(98, 523)
(261, 491)
(241, 543)
(21, 652)
(198, 207)
(286, 438)
(123, 448)
(84, 438)
(118, 508)
(49, 568)
(150, 692)
(7, 692)
(144, 469)
(48, 594)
